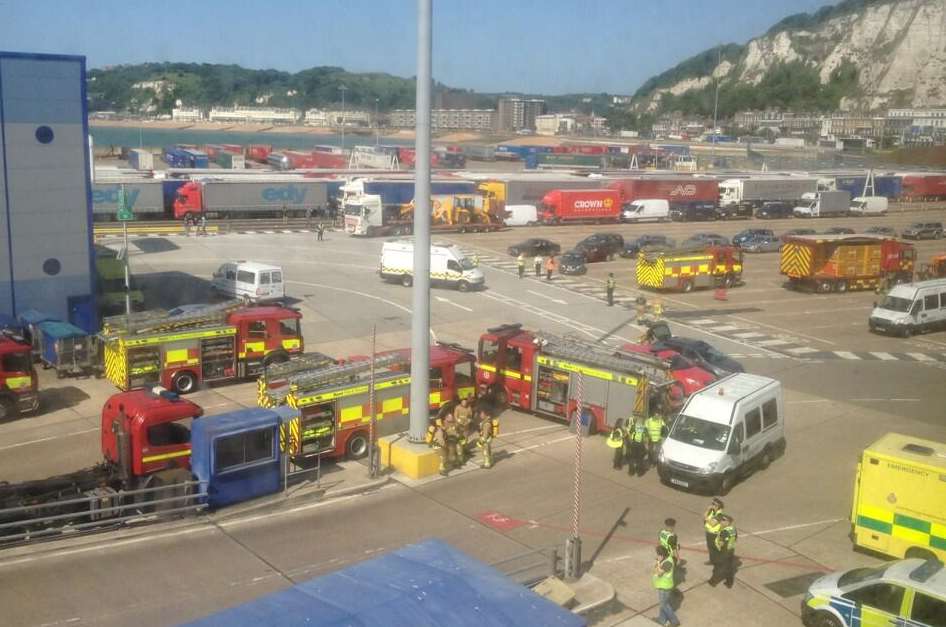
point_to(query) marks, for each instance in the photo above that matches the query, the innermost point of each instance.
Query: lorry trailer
(249, 199)
(145, 198)
(581, 205)
(675, 190)
(758, 190)
(826, 263)
(824, 205)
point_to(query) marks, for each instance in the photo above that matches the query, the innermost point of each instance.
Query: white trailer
(765, 189)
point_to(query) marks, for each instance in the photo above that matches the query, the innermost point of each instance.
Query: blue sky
(537, 46)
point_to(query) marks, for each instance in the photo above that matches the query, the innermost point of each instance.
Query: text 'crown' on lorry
(212, 344)
(723, 432)
(581, 205)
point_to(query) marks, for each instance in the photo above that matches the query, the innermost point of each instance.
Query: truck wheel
(7, 409)
(175, 481)
(687, 286)
(357, 446)
(184, 382)
(841, 287)
(463, 286)
(824, 287)
(407, 280)
(906, 332)
(726, 482)
(766, 460)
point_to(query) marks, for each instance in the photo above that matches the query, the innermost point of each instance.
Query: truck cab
(146, 431)
(504, 364)
(18, 383)
(266, 335)
(188, 201)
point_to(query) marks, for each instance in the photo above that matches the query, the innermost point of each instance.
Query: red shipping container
(299, 160)
(212, 150)
(258, 152)
(571, 205)
(236, 149)
(328, 160)
(919, 186)
(681, 190)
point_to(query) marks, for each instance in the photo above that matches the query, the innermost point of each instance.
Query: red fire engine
(18, 389)
(333, 398)
(539, 373)
(211, 344)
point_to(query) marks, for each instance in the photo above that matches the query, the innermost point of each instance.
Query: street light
(343, 89)
(377, 123)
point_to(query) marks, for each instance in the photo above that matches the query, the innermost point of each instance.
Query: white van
(521, 215)
(249, 281)
(448, 265)
(911, 308)
(869, 206)
(642, 209)
(723, 432)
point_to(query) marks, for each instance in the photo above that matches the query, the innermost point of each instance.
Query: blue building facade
(45, 195)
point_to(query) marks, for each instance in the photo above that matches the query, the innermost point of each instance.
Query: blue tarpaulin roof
(430, 584)
(31, 316)
(56, 330)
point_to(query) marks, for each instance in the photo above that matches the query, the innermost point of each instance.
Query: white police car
(905, 593)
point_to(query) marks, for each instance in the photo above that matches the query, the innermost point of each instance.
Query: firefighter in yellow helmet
(463, 414)
(436, 438)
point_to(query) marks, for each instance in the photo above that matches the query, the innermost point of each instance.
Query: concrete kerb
(591, 592)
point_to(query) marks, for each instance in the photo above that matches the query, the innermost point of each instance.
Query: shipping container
(401, 192)
(212, 150)
(140, 159)
(277, 161)
(176, 158)
(677, 191)
(578, 205)
(236, 149)
(571, 159)
(924, 186)
(231, 161)
(258, 152)
(197, 158)
(530, 189)
(251, 198)
(762, 189)
(144, 198)
(887, 186)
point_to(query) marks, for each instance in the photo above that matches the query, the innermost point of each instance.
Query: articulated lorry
(581, 205)
(756, 191)
(250, 199)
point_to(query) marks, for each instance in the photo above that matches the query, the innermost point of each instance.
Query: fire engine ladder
(154, 322)
(328, 375)
(570, 347)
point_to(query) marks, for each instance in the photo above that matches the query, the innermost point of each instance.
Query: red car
(690, 376)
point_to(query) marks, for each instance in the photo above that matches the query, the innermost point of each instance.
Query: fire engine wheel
(687, 286)
(824, 287)
(357, 446)
(7, 409)
(407, 280)
(841, 286)
(184, 382)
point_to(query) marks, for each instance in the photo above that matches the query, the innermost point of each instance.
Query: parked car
(794, 232)
(746, 234)
(738, 211)
(706, 239)
(535, 246)
(884, 231)
(839, 230)
(690, 376)
(601, 246)
(703, 354)
(923, 230)
(773, 210)
(650, 242)
(573, 262)
(905, 592)
(693, 213)
(762, 244)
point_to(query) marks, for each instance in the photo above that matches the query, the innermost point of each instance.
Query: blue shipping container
(177, 158)
(402, 192)
(198, 159)
(888, 186)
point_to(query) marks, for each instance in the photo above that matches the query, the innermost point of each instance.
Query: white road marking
(920, 357)
(775, 342)
(802, 350)
(554, 300)
(886, 400)
(52, 437)
(746, 336)
(726, 327)
(846, 355)
(441, 299)
(830, 521)
(543, 428)
(703, 321)
(539, 445)
(883, 356)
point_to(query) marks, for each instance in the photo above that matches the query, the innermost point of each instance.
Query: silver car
(762, 244)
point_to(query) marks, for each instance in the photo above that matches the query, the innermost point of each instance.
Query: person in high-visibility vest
(655, 434)
(537, 265)
(521, 264)
(609, 287)
(662, 580)
(489, 428)
(436, 438)
(724, 566)
(617, 440)
(636, 446)
(667, 537)
(550, 265)
(711, 526)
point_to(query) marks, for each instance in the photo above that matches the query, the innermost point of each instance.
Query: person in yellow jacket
(662, 580)
(521, 264)
(617, 440)
(655, 435)
(711, 526)
(724, 566)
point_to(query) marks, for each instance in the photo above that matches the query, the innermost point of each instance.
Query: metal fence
(103, 509)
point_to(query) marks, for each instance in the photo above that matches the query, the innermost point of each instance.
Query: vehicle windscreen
(489, 349)
(699, 432)
(17, 362)
(895, 303)
(352, 209)
(466, 263)
(859, 575)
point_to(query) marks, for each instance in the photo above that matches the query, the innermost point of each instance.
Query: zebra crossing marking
(921, 357)
(846, 355)
(883, 356)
